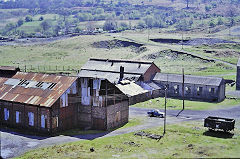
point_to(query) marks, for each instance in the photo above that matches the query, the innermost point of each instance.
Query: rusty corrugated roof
(33, 95)
(9, 68)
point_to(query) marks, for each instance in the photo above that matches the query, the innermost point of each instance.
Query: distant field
(72, 53)
(11, 15)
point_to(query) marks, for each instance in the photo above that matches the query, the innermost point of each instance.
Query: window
(18, 117)
(64, 98)
(74, 88)
(211, 90)
(199, 91)
(31, 118)
(176, 89)
(43, 121)
(6, 114)
(188, 89)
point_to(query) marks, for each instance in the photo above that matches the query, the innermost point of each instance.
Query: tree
(149, 21)
(220, 21)
(123, 26)
(231, 13)
(20, 22)
(28, 18)
(45, 25)
(110, 25)
(41, 18)
(99, 11)
(182, 25)
(212, 24)
(141, 24)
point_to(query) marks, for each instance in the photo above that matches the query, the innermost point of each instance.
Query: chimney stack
(121, 72)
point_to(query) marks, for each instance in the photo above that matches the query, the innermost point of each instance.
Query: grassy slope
(73, 52)
(158, 103)
(187, 140)
(132, 122)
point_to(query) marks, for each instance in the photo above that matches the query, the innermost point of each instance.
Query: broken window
(64, 99)
(31, 118)
(211, 90)
(73, 88)
(43, 121)
(18, 116)
(176, 89)
(6, 114)
(199, 91)
(103, 88)
(188, 89)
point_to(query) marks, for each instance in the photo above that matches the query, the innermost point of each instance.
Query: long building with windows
(40, 102)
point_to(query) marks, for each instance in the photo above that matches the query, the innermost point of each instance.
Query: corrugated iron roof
(110, 76)
(34, 95)
(131, 89)
(8, 68)
(191, 79)
(110, 65)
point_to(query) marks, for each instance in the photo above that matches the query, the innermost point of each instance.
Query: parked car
(156, 113)
(219, 123)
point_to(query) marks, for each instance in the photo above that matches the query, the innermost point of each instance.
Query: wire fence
(49, 69)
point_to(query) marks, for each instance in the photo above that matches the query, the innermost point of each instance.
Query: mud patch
(148, 135)
(112, 44)
(175, 55)
(193, 42)
(132, 143)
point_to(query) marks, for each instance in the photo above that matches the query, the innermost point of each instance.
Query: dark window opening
(176, 89)
(199, 91)
(211, 90)
(103, 88)
(188, 89)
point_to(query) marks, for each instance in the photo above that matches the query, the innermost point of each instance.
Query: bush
(41, 18)
(20, 22)
(28, 18)
(110, 25)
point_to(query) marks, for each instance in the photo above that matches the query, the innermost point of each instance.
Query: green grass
(158, 103)
(182, 141)
(72, 52)
(132, 122)
(46, 16)
(221, 53)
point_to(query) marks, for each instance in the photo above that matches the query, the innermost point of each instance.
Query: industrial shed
(103, 105)
(8, 71)
(238, 75)
(127, 75)
(143, 70)
(195, 87)
(38, 102)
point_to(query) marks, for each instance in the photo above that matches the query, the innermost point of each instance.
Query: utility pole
(183, 88)
(148, 34)
(165, 112)
(182, 40)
